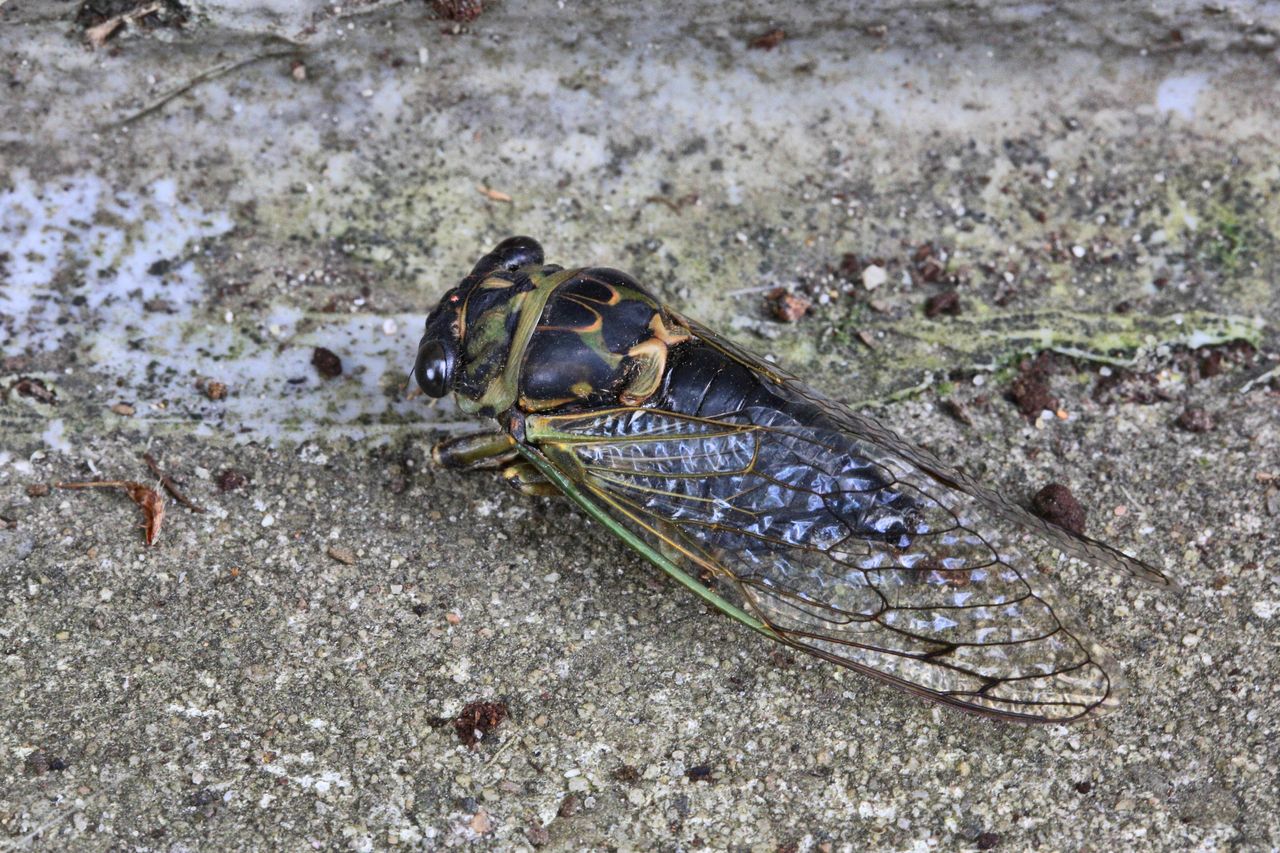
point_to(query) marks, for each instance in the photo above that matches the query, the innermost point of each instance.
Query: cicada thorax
(543, 339)
(601, 340)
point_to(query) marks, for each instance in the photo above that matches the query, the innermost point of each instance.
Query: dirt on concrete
(213, 205)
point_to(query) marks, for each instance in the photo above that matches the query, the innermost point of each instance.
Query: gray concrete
(237, 686)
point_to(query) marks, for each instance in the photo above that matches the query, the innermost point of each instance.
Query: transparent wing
(848, 543)
(885, 440)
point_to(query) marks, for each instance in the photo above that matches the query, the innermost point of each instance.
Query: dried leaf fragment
(148, 499)
(494, 195)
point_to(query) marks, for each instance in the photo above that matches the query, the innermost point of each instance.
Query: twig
(511, 740)
(42, 828)
(203, 77)
(1260, 378)
(169, 486)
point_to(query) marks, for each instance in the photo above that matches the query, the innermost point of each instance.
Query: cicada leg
(528, 480)
(478, 450)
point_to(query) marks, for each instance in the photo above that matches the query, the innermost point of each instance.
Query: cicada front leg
(478, 450)
(489, 450)
(528, 480)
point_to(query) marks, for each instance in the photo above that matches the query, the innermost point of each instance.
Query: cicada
(806, 521)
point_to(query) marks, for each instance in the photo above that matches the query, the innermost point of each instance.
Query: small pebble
(874, 276)
(342, 554)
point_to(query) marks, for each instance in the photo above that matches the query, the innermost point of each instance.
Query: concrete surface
(209, 203)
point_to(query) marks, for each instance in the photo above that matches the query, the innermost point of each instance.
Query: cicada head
(468, 335)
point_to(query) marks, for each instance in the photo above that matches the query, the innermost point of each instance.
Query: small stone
(788, 307)
(298, 71)
(327, 363)
(215, 390)
(452, 618)
(873, 276)
(480, 823)
(342, 554)
(1195, 419)
(570, 806)
(1055, 503)
(987, 841)
(123, 409)
(537, 835)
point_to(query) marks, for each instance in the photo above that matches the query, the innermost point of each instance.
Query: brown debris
(1030, 388)
(930, 263)
(326, 362)
(1195, 419)
(38, 490)
(701, 773)
(169, 485)
(98, 34)
(850, 268)
(215, 390)
(1055, 503)
(946, 302)
(478, 719)
(150, 501)
(569, 806)
(768, 41)
(123, 409)
(627, 774)
(956, 409)
(675, 205)
(231, 480)
(36, 389)
(786, 306)
(987, 841)
(458, 10)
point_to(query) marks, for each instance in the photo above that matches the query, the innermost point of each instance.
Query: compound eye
(434, 369)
